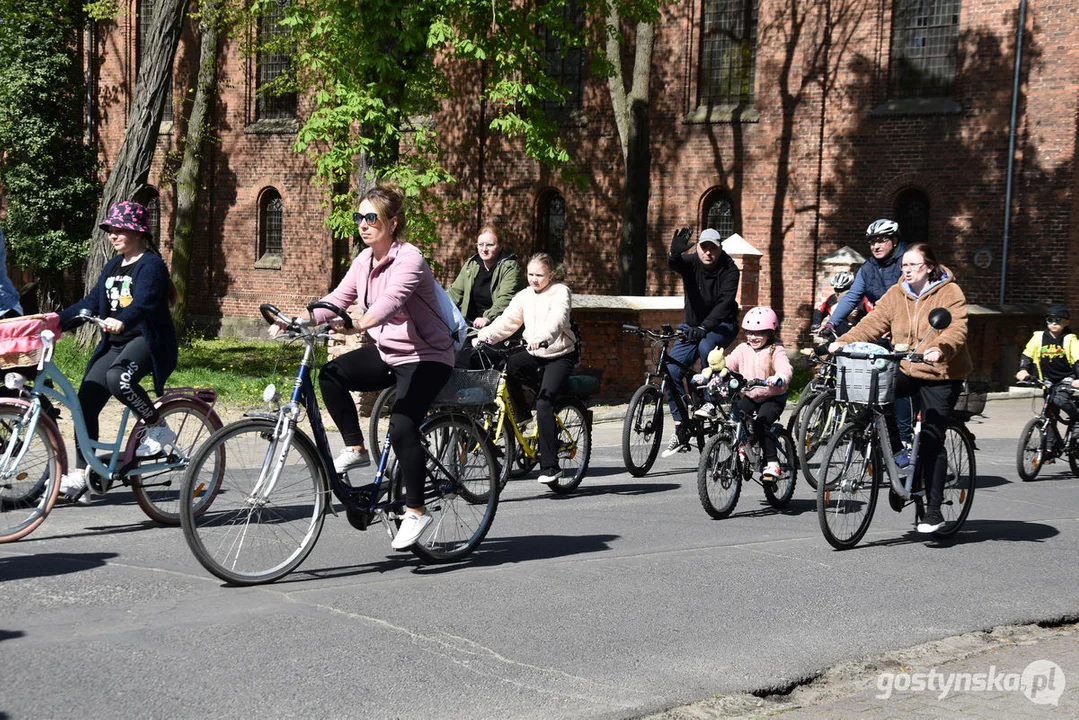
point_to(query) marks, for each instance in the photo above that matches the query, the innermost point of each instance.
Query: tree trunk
(132, 166)
(187, 179)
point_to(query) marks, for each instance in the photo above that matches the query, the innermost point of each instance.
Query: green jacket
(507, 279)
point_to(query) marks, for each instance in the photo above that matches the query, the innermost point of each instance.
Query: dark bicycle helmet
(842, 280)
(883, 228)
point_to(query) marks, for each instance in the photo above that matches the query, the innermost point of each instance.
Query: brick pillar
(748, 260)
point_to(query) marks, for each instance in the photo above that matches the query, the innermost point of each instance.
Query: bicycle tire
(379, 423)
(460, 490)
(503, 442)
(960, 482)
(642, 430)
(848, 485)
(574, 444)
(794, 422)
(779, 493)
(194, 423)
(1030, 453)
(824, 416)
(1072, 448)
(28, 497)
(719, 479)
(248, 539)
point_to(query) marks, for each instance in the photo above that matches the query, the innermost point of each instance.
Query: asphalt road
(619, 600)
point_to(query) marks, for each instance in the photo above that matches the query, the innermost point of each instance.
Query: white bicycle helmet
(882, 228)
(842, 280)
(760, 318)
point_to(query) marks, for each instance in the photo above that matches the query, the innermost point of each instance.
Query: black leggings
(417, 385)
(547, 374)
(117, 374)
(935, 400)
(768, 410)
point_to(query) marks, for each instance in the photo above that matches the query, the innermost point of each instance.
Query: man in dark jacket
(710, 280)
(879, 273)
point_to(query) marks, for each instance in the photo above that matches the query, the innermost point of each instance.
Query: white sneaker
(675, 446)
(348, 459)
(772, 472)
(550, 476)
(73, 485)
(412, 526)
(708, 410)
(155, 440)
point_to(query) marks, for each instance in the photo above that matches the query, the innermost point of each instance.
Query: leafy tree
(47, 172)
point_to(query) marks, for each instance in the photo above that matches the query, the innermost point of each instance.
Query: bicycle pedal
(358, 519)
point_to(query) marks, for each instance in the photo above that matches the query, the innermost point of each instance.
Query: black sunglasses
(1055, 320)
(371, 218)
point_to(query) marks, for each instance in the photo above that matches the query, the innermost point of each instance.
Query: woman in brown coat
(903, 315)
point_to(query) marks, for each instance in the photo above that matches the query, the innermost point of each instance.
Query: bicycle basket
(20, 339)
(469, 387)
(972, 399)
(866, 380)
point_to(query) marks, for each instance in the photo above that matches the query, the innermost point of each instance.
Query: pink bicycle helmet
(760, 318)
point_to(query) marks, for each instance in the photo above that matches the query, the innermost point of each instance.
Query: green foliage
(47, 172)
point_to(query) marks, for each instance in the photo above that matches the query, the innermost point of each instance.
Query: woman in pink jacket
(763, 357)
(543, 308)
(413, 348)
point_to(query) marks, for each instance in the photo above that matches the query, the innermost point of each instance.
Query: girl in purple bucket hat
(132, 296)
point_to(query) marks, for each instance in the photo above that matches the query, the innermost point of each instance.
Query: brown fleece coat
(906, 318)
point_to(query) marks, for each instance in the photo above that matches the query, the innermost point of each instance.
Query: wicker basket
(972, 399)
(20, 339)
(866, 380)
(470, 387)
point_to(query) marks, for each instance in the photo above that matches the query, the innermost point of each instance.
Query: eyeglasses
(911, 266)
(370, 218)
(1054, 320)
(879, 240)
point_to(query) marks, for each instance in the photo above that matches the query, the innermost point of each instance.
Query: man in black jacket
(710, 280)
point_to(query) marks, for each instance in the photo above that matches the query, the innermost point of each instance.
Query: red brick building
(794, 124)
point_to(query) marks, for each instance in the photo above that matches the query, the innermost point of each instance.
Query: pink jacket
(760, 365)
(401, 294)
(545, 316)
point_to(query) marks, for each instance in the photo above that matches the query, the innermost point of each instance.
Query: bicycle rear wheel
(642, 430)
(28, 492)
(821, 419)
(460, 490)
(960, 480)
(847, 486)
(503, 442)
(719, 479)
(574, 444)
(1031, 450)
(781, 491)
(158, 493)
(379, 423)
(243, 526)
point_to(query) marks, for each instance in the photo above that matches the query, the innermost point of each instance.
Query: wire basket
(470, 387)
(972, 399)
(866, 380)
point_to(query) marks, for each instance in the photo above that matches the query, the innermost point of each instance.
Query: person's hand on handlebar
(112, 325)
(834, 347)
(1022, 375)
(776, 381)
(481, 322)
(932, 355)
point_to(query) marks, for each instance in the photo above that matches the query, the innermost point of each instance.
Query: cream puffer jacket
(545, 316)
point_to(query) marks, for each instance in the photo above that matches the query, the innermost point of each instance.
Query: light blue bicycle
(33, 456)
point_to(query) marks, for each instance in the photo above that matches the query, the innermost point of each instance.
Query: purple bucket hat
(127, 216)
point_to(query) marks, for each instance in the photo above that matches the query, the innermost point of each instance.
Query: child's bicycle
(484, 396)
(642, 429)
(1033, 451)
(732, 458)
(33, 456)
(259, 490)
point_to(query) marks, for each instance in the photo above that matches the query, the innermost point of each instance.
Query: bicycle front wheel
(460, 490)
(158, 493)
(28, 489)
(1031, 450)
(780, 492)
(642, 430)
(847, 486)
(824, 416)
(574, 444)
(503, 442)
(719, 479)
(254, 502)
(960, 480)
(379, 423)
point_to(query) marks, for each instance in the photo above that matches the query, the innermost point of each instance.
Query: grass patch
(237, 369)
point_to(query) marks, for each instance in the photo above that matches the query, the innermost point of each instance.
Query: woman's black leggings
(117, 374)
(935, 400)
(418, 383)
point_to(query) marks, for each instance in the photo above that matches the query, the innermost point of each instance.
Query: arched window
(551, 224)
(718, 213)
(912, 214)
(145, 16)
(728, 52)
(271, 212)
(925, 45)
(272, 63)
(151, 200)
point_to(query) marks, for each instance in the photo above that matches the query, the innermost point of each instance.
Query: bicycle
(259, 489)
(1033, 451)
(516, 443)
(33, 456)
(642, 429)
(732, 458)
(858, 460)
(816, 418)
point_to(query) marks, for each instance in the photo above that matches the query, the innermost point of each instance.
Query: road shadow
(976, 531)
(991, 481)
(1058, 474)
(22, 567)
(10, 635)
(98, 530)
(794, 507)
(587, 490)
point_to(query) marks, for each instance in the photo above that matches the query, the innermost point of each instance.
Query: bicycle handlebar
(660, 335)
(913, 357)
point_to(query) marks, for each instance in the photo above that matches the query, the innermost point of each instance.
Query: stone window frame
(269, 249)
(708, 201)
